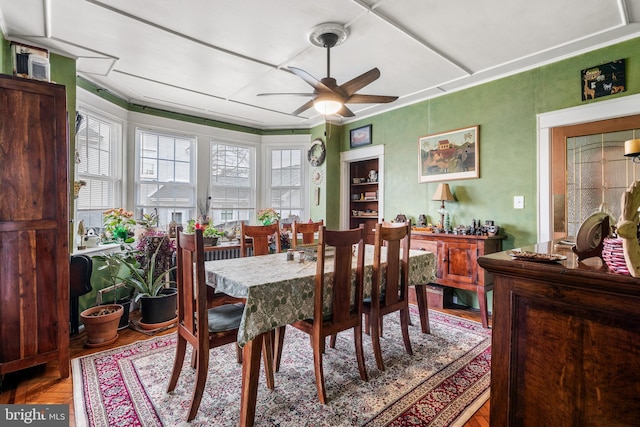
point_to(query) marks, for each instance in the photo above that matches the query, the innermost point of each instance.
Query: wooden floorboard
(42, 384)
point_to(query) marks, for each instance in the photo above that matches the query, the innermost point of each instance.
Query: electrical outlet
(518, 202)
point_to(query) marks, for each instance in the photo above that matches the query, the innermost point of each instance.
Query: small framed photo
(360, 136)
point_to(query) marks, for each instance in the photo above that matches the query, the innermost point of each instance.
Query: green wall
(506, 112)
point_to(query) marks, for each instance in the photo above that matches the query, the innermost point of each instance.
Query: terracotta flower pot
(101, 329)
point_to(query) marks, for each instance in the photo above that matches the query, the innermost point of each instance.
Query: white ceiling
(211, 58)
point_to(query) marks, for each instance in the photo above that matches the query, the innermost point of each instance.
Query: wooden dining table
(279, 292)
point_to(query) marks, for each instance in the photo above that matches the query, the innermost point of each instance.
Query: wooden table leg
(250, 374)
(423, 308)
(482, 302)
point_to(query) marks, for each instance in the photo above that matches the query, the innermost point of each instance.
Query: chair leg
(278, 342)
(375, 340)
(318, 348)
(202, 367)
(404, 324)
(357, 338)
(332, 340)
(194, 355)
(181, 347)
(367, 328)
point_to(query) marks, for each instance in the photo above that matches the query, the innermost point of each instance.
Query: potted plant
(268, 216)
(148, 222)
(211, 234)
(150, 279)
(117, 224)
(102, 321)
(115, 272)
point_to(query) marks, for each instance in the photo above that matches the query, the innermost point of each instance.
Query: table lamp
(444, 195)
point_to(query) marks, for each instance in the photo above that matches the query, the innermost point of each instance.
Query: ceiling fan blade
(370, 99)
(315, 83)
(286, 93)
(345, 112)
(304, 107)
(354, 85)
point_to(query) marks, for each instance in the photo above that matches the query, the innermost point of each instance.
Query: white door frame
(348, 157)
(603, 110)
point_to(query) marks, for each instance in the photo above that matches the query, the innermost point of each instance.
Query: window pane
(286, 181)
(163, 183)
(232, 187)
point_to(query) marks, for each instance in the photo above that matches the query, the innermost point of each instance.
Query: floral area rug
(443, 383)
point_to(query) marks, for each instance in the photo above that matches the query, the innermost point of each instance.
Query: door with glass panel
(589, 170)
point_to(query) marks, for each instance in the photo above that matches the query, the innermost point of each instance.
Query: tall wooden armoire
(34, 247)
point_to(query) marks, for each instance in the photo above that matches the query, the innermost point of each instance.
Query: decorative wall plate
(317, 176)
(317, 152)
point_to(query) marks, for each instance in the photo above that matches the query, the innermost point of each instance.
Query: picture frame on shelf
(360, 136)
(450, 155)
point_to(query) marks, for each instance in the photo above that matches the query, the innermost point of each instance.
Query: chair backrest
(396, 238)
(191, 285)
(343, 291)
(260, 235)
(80, 268)
(307, 229)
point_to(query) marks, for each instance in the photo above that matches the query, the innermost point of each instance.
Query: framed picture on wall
(360, 136)
(450, 155)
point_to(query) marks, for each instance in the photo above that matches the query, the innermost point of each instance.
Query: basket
(613, 255)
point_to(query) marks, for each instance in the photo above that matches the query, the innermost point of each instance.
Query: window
(98, 162)
(233, 184)
(285, 183)
(165, 176)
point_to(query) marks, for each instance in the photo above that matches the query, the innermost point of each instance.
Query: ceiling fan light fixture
(327, 103)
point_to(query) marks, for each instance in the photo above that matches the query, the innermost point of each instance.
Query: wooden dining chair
(346, 299)
(395, 295)
(308, 231)
(260, 236)
(201, 327)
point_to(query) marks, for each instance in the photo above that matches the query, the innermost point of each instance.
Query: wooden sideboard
(457, 257)
(565, 344)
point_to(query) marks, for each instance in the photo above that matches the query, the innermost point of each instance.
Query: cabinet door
(457, 262)
(34, 273)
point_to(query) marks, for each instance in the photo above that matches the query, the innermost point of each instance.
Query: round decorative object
(317, 176)
(628, 228)
(317, 152)
(590, 233)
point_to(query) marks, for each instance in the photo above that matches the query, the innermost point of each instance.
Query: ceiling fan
(328, 97)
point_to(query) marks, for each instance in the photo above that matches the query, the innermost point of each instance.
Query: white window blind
(98, 161)
(286, 183)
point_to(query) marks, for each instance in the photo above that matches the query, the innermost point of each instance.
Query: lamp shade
(327, 103)
(632, 147)
(443, 193)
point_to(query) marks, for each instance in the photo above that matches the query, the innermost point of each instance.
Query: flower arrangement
(208, 230)
(268, 216)
(118, 222)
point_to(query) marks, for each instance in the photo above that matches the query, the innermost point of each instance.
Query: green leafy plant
(149, 220)
(212, 231)
(116, 271)
(149, 274)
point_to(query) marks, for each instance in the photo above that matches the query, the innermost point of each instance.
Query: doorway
(582, 115)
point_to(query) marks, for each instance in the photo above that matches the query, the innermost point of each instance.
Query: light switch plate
(518, 202)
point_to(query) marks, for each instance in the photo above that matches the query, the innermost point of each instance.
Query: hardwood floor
(42, 384)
